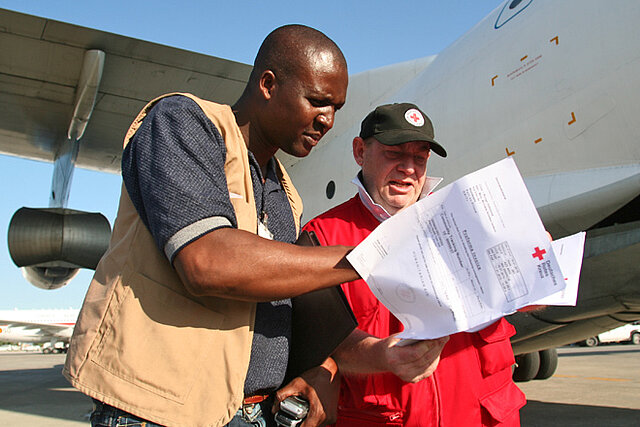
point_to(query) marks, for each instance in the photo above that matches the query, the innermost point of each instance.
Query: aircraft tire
(635, 338)
(527, 368)
(548, 364)
(591, 342)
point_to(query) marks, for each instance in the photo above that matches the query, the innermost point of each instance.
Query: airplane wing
(39, 70)
(43, 329)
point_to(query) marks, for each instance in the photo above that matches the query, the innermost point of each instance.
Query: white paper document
(568, 251)
(463, 257)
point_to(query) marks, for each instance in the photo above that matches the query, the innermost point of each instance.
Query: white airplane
(553, 84)
(38, 326)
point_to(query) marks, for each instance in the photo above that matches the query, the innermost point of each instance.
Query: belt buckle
(251, 411)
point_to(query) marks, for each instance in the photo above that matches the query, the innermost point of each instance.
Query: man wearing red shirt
(397, 386)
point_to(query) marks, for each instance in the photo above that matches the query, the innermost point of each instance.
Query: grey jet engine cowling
(51, 244)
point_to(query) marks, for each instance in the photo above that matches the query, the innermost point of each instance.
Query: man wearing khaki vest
(187, 319)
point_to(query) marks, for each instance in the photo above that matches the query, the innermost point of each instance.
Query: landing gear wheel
(548, 363)
(591, 342)
(527, 368)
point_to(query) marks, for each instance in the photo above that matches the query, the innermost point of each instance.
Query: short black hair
(289, 47)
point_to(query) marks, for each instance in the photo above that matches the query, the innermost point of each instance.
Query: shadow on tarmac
(42, 392)
(543, 414)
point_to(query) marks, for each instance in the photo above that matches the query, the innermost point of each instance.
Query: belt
(255, 399)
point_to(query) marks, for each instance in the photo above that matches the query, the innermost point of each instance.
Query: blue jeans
(104, 415)
(254, 415)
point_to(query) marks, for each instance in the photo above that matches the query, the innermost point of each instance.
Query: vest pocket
(156, 339)
(494, 347)
(503, 403)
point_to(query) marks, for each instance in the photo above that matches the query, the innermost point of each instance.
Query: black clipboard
(321, 320)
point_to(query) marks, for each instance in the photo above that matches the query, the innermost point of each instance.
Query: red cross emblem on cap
(539, 253)
(414, 117)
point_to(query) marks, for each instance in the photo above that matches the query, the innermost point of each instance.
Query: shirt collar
(378, 211)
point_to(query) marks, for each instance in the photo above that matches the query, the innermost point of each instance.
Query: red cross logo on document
(539, 253)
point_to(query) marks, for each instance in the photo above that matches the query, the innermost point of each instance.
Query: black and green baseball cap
(394, 124)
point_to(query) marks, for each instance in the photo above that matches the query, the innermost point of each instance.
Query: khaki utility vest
(142, 343)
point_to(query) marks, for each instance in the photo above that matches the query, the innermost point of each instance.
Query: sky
(371, 33)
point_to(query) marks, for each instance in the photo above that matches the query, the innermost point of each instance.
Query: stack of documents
(466, 255)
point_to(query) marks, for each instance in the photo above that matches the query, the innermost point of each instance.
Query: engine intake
(51, 244)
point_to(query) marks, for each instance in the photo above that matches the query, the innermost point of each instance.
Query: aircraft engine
(51, 244)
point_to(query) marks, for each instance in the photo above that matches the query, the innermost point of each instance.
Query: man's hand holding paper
(409, 360)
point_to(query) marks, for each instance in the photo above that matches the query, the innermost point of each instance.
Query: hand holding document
(465, 256)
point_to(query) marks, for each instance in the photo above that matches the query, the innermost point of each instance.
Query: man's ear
(358, 150)
(267, 84)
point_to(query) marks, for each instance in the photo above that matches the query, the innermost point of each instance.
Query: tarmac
(597, 386)
(34, 393)
(592, 387)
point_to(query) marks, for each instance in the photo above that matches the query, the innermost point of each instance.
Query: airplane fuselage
(553, 84)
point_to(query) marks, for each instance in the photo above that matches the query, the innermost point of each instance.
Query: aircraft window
(331, 189)
(508, 13)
